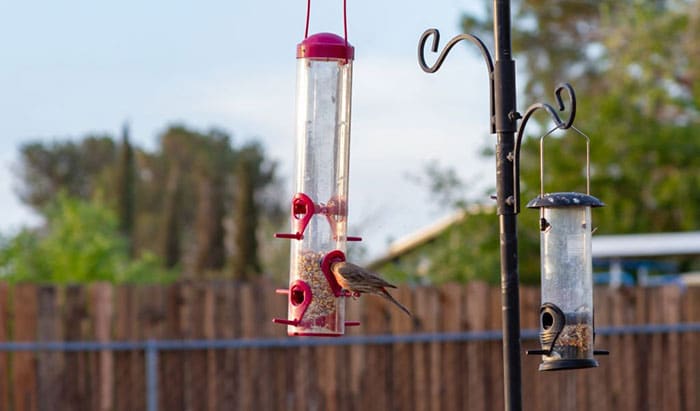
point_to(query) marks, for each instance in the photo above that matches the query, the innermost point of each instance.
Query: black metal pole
(506, 125)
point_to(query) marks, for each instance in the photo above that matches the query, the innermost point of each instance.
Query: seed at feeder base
(576, 337)
(323, 303)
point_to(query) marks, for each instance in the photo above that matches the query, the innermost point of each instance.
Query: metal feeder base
(567, 364)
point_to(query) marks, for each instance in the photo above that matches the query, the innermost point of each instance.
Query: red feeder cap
(325, 46)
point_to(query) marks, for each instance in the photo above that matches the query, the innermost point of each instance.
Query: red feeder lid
(325, 46)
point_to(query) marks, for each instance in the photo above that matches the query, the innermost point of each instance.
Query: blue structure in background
(646, 273)
(642, 259)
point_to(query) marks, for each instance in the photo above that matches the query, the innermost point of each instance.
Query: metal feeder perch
(566, 313)
(319, 208)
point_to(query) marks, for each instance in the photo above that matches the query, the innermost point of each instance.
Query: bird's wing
(348, 270)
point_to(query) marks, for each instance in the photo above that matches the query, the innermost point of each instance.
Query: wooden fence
(643, 372)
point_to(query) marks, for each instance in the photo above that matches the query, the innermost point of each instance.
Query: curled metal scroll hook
(443, 54)
(558, 122)
(552, 112)
(572, 104)
(435, 34)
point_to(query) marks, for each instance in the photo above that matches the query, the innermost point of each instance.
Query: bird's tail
(389, 297)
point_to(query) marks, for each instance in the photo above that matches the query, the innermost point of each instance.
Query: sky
(71, 68)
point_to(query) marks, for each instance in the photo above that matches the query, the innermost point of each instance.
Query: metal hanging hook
(559, 124)
(588, 158)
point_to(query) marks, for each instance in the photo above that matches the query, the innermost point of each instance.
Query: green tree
(73, 167)
(177, 202)
(252, 171)
(213, 171)
(640, 109)
(126, 182)
(172, 220)
(634, 66)
(80, 243)
(197, 169)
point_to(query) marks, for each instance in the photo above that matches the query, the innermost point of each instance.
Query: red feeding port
(303, 208)
(330, 258)
(299, 299)
(296, 297)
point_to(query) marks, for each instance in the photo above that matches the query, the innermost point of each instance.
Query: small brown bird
(358, 280)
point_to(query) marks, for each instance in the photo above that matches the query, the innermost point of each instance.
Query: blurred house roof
(424, 235)
(604, 246)
(414, 240)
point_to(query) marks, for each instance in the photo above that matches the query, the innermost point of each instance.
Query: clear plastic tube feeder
(319, 208)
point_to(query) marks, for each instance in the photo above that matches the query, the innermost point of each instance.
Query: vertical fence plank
(261, 327)
(209, 333)
(172, 397)
(642, 342)
(476, 364)
(451, 377)
(50, 364)
(630, 357)
(529, 319)
(598, 382)
(401, 354)
(656, 358)
(228, 318)
(618, 399)
(434, 325)
(355, 357)
(671, 314)
(248, 371)
(198, 384)
(494, 366)
(151, 313)
(102, 318)
(137, 358)
(187, 329)
(327, 385)
(126, 362)
(24, 376)
(421, 353)
(277, 358)
(123, 306)
(690, 358)
(373, 388)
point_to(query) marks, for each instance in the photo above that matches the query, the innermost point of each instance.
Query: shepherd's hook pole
(506, 118)
(504, 124)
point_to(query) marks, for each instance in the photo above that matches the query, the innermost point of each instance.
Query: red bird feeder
(319, 208)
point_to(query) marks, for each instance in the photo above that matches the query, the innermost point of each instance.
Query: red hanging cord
(345, 20)
(308, 13)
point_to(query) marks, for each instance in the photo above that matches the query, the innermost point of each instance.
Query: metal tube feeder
(566, 313)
